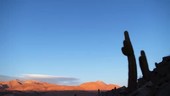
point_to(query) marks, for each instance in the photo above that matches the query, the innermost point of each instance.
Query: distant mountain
(97, 85)
(32, 85)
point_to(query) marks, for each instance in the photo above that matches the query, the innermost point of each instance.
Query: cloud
(61, 80)
(52, 79)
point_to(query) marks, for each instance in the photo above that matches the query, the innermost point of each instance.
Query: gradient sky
(81, 38)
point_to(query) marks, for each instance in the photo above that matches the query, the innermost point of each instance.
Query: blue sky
(80, 38)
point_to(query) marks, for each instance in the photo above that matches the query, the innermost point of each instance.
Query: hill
(31, 85)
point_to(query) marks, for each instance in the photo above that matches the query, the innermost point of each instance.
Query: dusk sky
(80, 40)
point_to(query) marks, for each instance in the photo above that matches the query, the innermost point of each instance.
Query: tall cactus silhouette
(127, 50)
(144, 66)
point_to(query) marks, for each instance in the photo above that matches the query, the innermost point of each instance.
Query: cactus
(144, 66)
(127, 50)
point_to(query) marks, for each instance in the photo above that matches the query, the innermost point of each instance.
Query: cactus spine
(127, 50)
(144, 66)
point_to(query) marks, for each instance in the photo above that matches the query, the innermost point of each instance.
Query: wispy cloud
(62, 80)
(52, 79)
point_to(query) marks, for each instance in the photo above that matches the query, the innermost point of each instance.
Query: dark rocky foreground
(48, 93)
(157, 85)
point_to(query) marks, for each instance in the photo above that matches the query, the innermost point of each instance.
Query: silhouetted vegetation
(127, 50)
(153, 83)
(144, 66)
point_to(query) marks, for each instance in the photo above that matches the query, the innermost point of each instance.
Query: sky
(77, 41)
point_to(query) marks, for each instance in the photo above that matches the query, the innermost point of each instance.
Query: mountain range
(32, 85)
